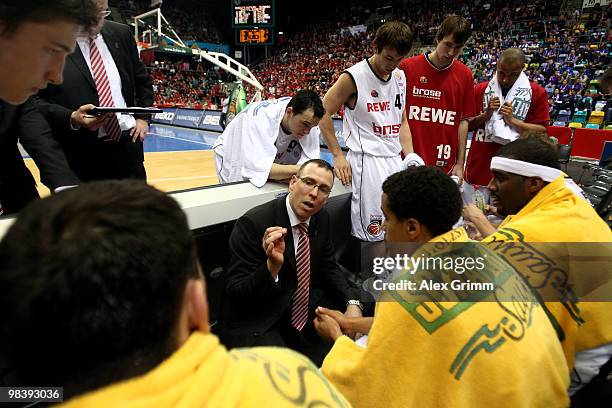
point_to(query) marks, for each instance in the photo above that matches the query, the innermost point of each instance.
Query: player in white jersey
(270, 139)
(375, 128)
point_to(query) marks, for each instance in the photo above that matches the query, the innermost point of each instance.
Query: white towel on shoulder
(519, 96)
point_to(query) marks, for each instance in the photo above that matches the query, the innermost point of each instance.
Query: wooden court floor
(167, 171)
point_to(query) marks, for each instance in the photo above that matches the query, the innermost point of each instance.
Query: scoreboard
(254, 36)
(252, 13)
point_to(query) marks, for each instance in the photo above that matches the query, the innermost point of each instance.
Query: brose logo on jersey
(426, 93)
(386, 130)
(427, 114)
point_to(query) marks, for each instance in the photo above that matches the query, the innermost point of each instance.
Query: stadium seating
(580, 116)
(563, 116)
(566, 56)
(596, 118)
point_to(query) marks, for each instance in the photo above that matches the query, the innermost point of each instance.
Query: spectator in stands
(197, 89)
(282, 265)
(510, 104)
(270, 139)
(440, 98)
(108, 147)
(528, 188)
(375, 126)
(587, 101)
(108, 272)
(35, 38)
(446, 346)
(570, 101)
(546, 37)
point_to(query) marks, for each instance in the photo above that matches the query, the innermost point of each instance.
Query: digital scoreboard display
(252, 13)
(253, 36)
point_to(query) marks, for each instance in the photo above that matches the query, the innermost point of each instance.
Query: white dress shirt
(126, 122)
(294, 221)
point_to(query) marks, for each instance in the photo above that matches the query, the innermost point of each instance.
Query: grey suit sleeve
(35, 136)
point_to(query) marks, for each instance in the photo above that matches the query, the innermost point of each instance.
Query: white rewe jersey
(373, 126)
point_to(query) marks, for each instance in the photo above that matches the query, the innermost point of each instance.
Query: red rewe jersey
(436, 101)
(482, 149)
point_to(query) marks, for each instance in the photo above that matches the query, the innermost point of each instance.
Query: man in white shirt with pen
(105, 70)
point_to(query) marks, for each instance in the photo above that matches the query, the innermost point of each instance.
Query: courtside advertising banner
(211, 120)
(188, 117)
(166, 117)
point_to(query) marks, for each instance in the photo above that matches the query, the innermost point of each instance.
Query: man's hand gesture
(273, 244)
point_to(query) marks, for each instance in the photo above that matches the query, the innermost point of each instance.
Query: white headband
(526, 169)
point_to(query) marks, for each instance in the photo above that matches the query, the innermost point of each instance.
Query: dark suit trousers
(307, 341)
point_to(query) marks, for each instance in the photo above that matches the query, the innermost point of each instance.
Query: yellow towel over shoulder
(202, 373)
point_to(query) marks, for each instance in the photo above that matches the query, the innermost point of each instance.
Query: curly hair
(426, 194)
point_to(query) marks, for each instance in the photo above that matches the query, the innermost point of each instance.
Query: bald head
(509, 67)
(512, 56)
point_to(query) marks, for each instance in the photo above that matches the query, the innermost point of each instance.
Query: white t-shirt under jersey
(288, 148)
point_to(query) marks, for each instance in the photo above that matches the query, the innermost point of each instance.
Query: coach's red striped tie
(111, 124)
(299, 308)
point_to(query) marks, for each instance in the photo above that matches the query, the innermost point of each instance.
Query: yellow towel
(454, 354)
(582, 251)
(202, 373)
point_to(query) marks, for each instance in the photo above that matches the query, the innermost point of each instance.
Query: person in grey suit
(265, 302)
(35, 38)
(120, 80)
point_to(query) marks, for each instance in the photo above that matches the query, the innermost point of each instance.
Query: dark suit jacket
(90, 157)
(17, 186)
(253, 302)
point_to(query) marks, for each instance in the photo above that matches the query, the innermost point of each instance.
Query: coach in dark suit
(277, 276)
(17, 186)
(92, 150)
